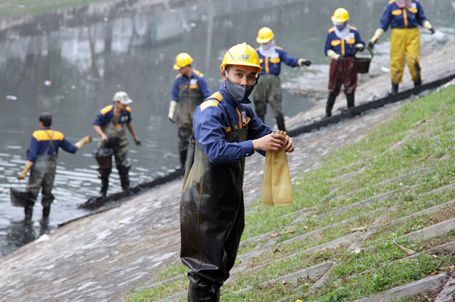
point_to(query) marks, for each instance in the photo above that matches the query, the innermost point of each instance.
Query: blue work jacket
(215, 117)
(195, 81)
(272, 64)
(48, 141)
(397, 17)
(106, 114)
(343, 47)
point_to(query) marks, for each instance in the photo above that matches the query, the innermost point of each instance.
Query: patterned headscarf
(404, 3)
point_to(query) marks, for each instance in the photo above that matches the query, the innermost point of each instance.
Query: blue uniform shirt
(106, 114)
(272, 64)
(397, 17)
(50, 140)
(343, 47)
(213, 119)
(196, 81)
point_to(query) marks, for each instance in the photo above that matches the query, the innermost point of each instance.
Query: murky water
(71, 63)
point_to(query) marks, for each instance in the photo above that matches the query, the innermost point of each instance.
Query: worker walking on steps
(268, 90)
(343, 41)
(42, 161)
(110, 125)
(404, 17)
(226, 131)
(188, 91)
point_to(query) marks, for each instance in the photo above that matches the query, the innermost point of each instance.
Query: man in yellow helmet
(268, 89)
(189, 90)
(343, 41)
(404, 17)
(226, 131)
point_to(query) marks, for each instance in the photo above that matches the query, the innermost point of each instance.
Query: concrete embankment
(105, 256)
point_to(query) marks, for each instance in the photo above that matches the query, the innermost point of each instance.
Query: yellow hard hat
(340, 15)
(241, 54)
(265, 35)
(182, 59)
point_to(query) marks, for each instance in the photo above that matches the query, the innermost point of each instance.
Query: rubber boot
(46, 212)
(330, 102)
(351, 99)
(104, 176)
(418, 82)
(200, 291)
(28, 212)
(394, 90)
(280, 122)
(183, 154)
(124, 179)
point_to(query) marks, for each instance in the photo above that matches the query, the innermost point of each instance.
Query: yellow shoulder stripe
(128, 108)
(198, 73)
(47, 135)
(178, 76)
(391, 1)
(209, 103)
(217, 96)
(331, 29)
(106, 109)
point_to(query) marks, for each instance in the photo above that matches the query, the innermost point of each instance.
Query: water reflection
(72, 62)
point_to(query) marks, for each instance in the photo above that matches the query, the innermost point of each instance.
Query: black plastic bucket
(19, 198)
(362, 64)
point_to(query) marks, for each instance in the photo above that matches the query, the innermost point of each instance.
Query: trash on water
(48, 83)
(11, 98)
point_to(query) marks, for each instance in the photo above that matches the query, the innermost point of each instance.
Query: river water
(71, 62)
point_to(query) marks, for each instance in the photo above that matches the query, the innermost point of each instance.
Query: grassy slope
(421, 137)
(26, 7)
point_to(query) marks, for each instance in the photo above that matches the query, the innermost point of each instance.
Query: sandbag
(276, 186)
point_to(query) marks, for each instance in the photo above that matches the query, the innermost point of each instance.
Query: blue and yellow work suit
(116, 144)
(188, 92)
(404, 39)
(268, 89)
(342, 72)
(43, 152)
(212, 209)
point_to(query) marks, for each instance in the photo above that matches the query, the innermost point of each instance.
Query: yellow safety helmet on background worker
(243, 55)
(265, 35)
(182, 59)
(340, 15)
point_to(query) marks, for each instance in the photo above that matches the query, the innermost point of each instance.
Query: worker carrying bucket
(342, 43)
(42, 161)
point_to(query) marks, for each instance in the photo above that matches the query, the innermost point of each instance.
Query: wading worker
(110, 126)
(42, 161)
(404, 17)
(226, 130)
(343, 41)
(188, 91)
(268, 90)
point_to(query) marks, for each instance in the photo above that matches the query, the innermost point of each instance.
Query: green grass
(421, 136)
(25, 7)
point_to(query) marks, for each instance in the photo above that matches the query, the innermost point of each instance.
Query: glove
(83, 141)
(428, 26)
(28, 165)
(138, 142)
(379, 32)
(303, 62)
(360, 47)
(171, 114)
(334, 56)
